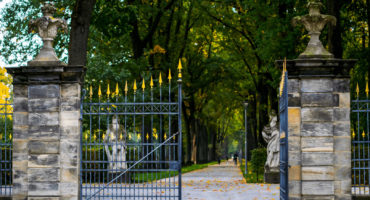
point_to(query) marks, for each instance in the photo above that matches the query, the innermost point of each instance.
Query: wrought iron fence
(6, 144)
(360, 143)
(131, 143)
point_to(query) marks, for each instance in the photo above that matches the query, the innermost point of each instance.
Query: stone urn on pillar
(47, 28)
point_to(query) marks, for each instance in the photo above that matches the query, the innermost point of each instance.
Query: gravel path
(224, 182)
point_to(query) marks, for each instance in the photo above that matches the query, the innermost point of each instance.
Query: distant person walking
(219, 160)
(236, 158)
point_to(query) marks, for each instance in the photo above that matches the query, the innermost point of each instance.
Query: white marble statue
(115, 146)
(270, 134)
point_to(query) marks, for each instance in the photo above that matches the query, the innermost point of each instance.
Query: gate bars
(6, 144)
(131, 146)
(360, 143)
(283, 112)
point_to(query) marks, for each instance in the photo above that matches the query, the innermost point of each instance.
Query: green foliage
(251, 176)
(258, 160)
(228, 49)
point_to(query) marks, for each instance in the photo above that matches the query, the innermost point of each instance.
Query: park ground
(224, 182)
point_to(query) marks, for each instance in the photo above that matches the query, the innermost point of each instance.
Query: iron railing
(131, 144)
(360, 143)
(6, 147)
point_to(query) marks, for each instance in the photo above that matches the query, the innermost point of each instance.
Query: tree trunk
(81, 18)
(335, 32)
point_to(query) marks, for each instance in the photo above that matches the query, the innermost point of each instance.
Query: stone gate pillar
(46, 139)
(319, 128)
(319, 139)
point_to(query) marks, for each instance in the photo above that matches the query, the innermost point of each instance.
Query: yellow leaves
(157, 50)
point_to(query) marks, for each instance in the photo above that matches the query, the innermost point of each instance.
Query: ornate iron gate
(360, 143)
(6, 145)
(283, 112)
(131, 146)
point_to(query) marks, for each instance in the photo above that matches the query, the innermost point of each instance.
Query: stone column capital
(335, 68)
(46, 74)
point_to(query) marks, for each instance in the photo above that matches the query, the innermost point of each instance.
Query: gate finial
(117, 89)
(135, 87)
(151, 82)
(180, 68)
(108, 90)
(367, 88)
(126, 88)
(169, 75)
(160, 79)
(143, 85)
(99, 91)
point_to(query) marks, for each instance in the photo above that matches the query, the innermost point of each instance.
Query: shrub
(258, 160)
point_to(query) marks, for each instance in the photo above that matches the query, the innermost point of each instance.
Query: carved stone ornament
(314, 22)
(270, 134)
(47, 28)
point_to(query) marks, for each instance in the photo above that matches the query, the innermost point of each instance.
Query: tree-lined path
(224, 182)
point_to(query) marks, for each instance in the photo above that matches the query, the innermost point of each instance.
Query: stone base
(125, 178)
(272, 177)
(46, 63)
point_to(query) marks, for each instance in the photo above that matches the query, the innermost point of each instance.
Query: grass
(251, 177)
(152, 176)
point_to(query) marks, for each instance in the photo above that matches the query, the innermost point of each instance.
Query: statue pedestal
(272, 177)
(125, 178)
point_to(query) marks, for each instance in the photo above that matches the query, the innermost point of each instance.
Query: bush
(258, 160)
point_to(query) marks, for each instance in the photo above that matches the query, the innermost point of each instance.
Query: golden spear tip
(367, 88)
(179, 66)
(126, 88)
(108, 90)
(151, 82)
(91, 91)
(135, 87)
(99, 91)
(357, 90)
(169, 75)
(143, 85)
(160, 78)
(117, 89)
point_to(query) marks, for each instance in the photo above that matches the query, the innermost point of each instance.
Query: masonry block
(43, 174)
(318, 100)
(317, 85)
(43, 147)
(43, 91)
(317, 158)
(321, 173)
(317, 187)
(317, 114)
(315, 129)
(317, 144)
